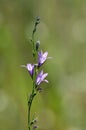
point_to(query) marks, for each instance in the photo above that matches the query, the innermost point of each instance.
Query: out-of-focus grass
(62, 104)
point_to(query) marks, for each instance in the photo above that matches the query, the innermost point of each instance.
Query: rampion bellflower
(42, 57)
(30, 68)
(41, 77)
(37, 75)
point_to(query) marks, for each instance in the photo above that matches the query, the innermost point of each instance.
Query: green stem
(33, 94)
(29, 108)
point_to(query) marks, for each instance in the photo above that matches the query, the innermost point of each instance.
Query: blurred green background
(62, 32)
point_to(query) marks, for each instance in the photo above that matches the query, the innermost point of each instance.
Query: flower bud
(37, 20)
(37, 45)
(35, 127)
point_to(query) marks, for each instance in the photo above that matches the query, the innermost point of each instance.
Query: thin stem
(29, 108)
(33, 94)
(33, 39)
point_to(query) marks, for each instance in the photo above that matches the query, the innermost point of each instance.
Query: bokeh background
(62, 32)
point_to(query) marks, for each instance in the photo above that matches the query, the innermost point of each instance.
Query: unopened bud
(35, 127)
(37, 20)
(37, 45)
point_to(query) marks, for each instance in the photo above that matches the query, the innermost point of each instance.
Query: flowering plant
(36, 76)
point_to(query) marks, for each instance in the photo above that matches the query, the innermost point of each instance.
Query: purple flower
(41, 77)
(30, 68)
(42, 57)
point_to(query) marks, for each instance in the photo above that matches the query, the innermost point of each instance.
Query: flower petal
(30, 68)
(42, 57)
(40, 54)
(38, 80)
(44, 76)
(41, 77)
(40, 74)
(45, 54)
(46, 81)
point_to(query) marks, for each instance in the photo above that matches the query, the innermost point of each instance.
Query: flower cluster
(41, 76)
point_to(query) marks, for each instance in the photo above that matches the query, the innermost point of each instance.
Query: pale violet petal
(23, 66)
(29, 67)
(40, 74)
(46, 81)
(44, 76)
(45, 54)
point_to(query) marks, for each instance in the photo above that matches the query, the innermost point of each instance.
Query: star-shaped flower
(42, 57)
(30, 68)
(41, 78)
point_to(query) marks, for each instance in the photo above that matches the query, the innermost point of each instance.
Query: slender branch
(29, 108)
(33, 94)
(37, 77)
